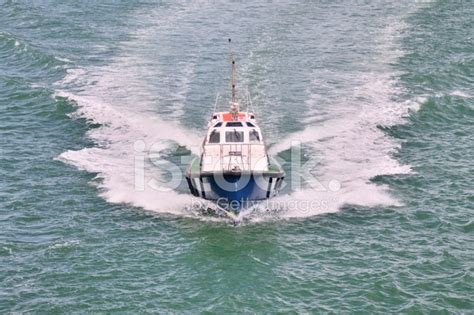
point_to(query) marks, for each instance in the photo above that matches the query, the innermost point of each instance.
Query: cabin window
(254, 136)
(250, 124)
(234, 124)
(234, 136)
(218, 125)
(215, 137)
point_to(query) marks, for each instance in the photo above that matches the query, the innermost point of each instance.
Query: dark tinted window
(253, 136)
(234, 136)
(215, 137)
(218, 124)
(234, 124)
(250, 124)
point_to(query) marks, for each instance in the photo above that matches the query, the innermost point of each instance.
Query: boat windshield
(254, 136)
(234, 136)
(215, 137)
(234, 124)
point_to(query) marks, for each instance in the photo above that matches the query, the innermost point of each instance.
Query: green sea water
(379, 94)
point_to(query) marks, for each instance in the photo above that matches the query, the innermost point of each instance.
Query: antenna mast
(234, 106)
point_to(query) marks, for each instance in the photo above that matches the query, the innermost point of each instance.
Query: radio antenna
(234, 106)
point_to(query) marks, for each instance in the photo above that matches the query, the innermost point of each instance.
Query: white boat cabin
(233, 143)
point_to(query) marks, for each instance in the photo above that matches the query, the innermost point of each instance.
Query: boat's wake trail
(128, 155)
(132, 143)
(341, 133)
(344, 139)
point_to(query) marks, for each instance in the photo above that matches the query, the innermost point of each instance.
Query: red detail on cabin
(228, 116)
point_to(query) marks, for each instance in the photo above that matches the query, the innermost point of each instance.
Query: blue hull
(238, 189)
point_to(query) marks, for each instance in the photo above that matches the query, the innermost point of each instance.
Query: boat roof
(228, 116)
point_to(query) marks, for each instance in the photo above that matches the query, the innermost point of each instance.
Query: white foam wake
(133, 141)
(343, 135)
(341, 129)
(122, 138)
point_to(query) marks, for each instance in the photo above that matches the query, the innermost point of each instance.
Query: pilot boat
(234, 167)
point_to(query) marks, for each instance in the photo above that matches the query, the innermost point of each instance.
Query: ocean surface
(378, 96)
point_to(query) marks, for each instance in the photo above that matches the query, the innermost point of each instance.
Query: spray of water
(342, 135)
